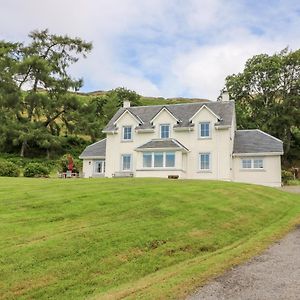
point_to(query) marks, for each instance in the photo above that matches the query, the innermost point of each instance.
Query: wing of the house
(257, 157)
(93, 157)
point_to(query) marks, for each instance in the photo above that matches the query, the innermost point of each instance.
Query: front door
(100, 166)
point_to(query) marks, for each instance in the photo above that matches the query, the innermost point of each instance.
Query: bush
(63, 164)
(9, 169)
(36, 170)
(286, 176)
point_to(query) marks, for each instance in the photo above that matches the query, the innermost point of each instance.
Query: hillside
(130, 238)
(149, 100)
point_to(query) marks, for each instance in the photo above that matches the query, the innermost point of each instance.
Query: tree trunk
(48, 154)
(23, 147)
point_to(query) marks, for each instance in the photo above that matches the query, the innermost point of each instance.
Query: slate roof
(163, 144)
(182, 112)
(97, 149)
(255, 141)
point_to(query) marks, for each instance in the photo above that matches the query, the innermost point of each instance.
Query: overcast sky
(160, 47)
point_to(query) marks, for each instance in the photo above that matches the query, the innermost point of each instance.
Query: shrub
(36, 170)
(9, 169)
(286, 176)
(63, 164)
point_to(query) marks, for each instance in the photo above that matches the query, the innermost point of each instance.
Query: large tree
(267, 95)
(41, 68)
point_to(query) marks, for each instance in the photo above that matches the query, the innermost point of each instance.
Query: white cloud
(160, 47)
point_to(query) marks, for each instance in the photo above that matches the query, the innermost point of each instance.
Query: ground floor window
(126, 162)
(100, 166)
(252, 163)
(204, 161)
(159, 159)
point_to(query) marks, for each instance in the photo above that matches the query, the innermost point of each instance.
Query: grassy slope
(144, 99)
(135, 238)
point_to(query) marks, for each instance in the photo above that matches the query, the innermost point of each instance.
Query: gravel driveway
(273, 275)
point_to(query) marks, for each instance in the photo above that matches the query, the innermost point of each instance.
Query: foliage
(63, 164)
(36, 170)
(8, 169)
(286, 176)
(267, 95)
(36, 116)
(146, 238)
(293, 182)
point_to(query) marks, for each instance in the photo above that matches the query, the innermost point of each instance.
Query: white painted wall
(88, 168)
(270, 175)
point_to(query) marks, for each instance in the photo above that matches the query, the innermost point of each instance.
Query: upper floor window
(204, 161)
(204, 130)
(252, 163)
(127, 133)
(164, 131)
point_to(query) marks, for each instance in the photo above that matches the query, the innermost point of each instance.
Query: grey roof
(255, 141)
(97, 149)
(182, 112)
(163, 144)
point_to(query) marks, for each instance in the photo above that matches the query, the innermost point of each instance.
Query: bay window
(158, 159)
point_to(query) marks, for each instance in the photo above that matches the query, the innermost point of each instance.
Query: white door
(100, 166)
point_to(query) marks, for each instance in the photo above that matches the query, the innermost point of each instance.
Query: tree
(41, 68)
(267, 95)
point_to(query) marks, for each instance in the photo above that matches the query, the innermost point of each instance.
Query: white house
(188, 141)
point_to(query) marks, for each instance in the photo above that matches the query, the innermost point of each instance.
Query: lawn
(130, 238)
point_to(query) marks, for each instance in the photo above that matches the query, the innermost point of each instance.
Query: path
(271, 276)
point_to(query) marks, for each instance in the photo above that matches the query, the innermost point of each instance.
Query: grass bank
(130, 238)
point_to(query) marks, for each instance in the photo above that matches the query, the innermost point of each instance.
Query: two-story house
(189, 141)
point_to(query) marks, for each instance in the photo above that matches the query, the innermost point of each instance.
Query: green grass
(130, 238)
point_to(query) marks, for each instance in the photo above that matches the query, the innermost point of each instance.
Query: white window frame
(209, 162)
(122, 162)
(252, 164)
(160, 131)
(209, 130)
(123, 133)
(164, 160)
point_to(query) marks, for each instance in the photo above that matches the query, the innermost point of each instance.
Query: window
(204, 161)
(164, 131)
(258, 164)
(147, 160)
(246, 163)
(100, 166)
(127, 133)
(204, 130)
(126, 162)
(170, 159)
(252, 163)
(158, 159)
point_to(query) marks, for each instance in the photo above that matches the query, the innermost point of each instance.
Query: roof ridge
(161, 105)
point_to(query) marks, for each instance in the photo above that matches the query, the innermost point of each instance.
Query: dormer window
(164, 131)
(204, 130)
(127, 133)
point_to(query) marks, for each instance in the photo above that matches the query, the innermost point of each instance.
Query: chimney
(126, 103)
(225, 96)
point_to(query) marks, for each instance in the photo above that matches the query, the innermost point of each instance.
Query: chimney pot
(225, 96)
(126, 103)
